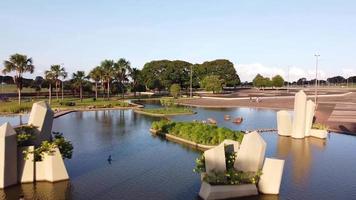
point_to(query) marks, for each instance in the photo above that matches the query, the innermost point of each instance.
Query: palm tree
(135, 75)
(50, 77)
(20, 64)
(58, 71)
(107, 67)
(78, 79)
(122, 68)
(96, 74)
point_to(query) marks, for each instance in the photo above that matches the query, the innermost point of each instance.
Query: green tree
(79, 78)
(277, 81)
(19, 64)
(122, 69)
(96, 74)
(57, 72)
(50, 78)
(107, 67)
(175, 90)
(212, 83)
(137, 83)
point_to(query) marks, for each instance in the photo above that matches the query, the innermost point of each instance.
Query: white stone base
(52, 168)
(271, 178)
(208, 192)
(25, 167)
(322, 134)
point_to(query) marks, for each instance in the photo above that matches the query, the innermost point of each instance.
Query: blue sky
(257, 36)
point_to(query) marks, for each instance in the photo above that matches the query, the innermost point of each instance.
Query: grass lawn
(13, 107)
(11, 88)
(167, 111)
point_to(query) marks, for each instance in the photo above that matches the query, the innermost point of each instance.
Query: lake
(148, 167)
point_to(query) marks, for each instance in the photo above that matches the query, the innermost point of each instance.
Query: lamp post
(191, 81)
(316, 77)
(288, 81)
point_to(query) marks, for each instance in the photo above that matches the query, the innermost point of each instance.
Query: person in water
(109, 159)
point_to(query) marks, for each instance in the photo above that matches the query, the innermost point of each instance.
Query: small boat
(227, 117)
(212, 121)
(238, 120)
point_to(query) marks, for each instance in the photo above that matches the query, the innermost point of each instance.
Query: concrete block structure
(215, 159)
(25, 167)
(251, 153)
(209, 192)
(8, 156)
(41, 117)
(284, 123)
(271, 178)
(303, 117)
(298, 130)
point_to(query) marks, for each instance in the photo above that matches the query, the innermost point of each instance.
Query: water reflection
(299, 152)
(40, 190)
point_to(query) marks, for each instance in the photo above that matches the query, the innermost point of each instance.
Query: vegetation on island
(169, 107)
(196, 131)
(26, 136)
(320, 126)
(231, 176)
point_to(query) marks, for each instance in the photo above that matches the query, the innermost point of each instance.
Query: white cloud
(248, 71)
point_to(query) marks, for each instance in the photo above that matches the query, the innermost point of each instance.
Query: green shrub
(320, 126)
(67, 103)
(197, 132)
(231, 176)
(25, 134)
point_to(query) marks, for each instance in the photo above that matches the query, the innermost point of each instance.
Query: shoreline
(162, 115)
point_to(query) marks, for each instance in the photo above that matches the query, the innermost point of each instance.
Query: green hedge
(197, 132)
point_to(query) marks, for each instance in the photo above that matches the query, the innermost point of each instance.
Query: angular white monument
(271, 178)
(298, 130)
(210, 192)
(309, 116)
(251, 153)
(8, 156)
(284, 123)
(215, 159)
(322, 134)
(51, 168)
(41, 117)
(25, 167)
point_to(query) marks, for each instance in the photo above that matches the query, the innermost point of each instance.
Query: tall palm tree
(122, 69)
(20, 64)
(96, 74)
(107, 67)
(135, 75)
(79, 79)
(50, 77)
(58, 71)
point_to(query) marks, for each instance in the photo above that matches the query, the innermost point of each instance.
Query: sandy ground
(338, 112)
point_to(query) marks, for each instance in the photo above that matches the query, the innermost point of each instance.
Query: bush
(231, 176)
(175, 90)
(67, 103)
(197, 132)
(320, 126)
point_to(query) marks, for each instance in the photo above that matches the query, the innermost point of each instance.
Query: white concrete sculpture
(25, 167)
(271, 178)
(231, 145)
(309, 116)
(215, 159)
(41, 117)
(8, 156)
(322, 134)
(209, 192)
(284, 123)
(251, 153)
(51, 168)
(298, 130)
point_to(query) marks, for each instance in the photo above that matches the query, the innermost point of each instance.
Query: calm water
(147, 167)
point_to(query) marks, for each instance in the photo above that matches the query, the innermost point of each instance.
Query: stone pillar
(51, 168)
(271, 178)
(300, 101)
(251, 153)
(284, 123)
(215, 159)
(309, 116)
(25, 167)
(8, 156)
(41, 116)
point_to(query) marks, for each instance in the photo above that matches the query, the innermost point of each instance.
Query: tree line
(117, 77)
